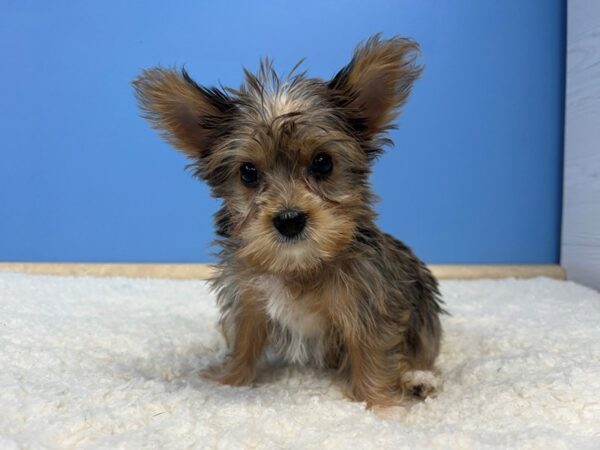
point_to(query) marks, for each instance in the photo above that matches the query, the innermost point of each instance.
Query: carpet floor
(113, 363)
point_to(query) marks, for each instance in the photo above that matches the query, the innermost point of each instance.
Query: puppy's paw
(229, 374)
(421, 383)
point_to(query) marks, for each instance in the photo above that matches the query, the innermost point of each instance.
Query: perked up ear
(377, 82)
(190, 116)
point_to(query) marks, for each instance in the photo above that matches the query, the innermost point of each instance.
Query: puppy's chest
(295, 312)
(300, 332)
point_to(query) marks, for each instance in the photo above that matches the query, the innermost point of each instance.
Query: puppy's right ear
(190, 116)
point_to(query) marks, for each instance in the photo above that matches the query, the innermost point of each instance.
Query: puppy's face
(296, 178)
(290, 158)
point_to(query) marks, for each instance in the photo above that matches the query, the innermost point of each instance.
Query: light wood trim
(130, 270)
(475, 271)
(203, 271)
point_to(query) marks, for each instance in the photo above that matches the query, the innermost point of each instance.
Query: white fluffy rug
(113, 363)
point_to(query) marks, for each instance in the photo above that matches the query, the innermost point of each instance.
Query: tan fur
(382, 85)
(343, 294)
(251, 325)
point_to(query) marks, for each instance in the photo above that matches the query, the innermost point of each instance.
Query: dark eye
(321, 165)
(249, 174)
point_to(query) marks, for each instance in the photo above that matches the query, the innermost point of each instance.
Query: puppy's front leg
(366, 367)
(251, 333)
(369, 378)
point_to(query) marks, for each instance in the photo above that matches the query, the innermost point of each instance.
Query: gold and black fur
(304, 271)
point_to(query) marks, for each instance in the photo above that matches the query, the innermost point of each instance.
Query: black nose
(290, 222)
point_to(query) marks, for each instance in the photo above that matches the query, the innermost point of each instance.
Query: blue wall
(475, 176)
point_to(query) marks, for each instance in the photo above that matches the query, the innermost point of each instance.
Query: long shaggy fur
(344, 294)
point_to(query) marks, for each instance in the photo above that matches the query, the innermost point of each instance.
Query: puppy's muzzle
(290, 222)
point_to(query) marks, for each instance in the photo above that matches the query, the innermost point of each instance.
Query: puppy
(304, 270)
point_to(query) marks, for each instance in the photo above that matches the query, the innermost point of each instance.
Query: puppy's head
(289, 157)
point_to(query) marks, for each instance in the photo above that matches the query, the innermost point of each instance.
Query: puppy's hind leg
(423, 342)
(421, 383)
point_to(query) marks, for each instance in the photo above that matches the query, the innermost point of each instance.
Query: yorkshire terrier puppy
(304, 270)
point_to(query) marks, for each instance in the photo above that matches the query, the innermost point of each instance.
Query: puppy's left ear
(377, 83)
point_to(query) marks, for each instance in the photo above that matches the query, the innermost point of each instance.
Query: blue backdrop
(474, 177)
